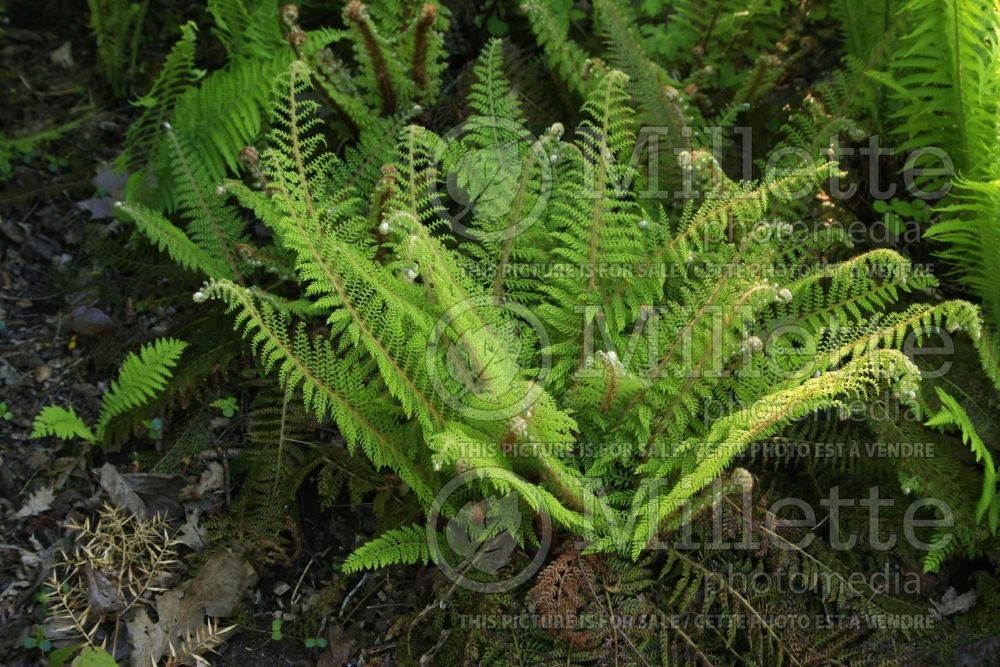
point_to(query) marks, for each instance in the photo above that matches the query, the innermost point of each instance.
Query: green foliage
(94, 656)
(272, 464)
(118, 28)
(195, 126)
(383, 276)
(62, 423)
(26, 146)
(562, 54)
(401, 546)
(952, 414)
(141, 379)
(944, 84)
(504, 304)
(227, 406)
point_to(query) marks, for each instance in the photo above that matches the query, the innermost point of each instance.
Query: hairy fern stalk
(504, 306)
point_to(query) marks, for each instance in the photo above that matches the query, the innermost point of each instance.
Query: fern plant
(432, 369)
(400, 61)
(141, 379)
(943, 82)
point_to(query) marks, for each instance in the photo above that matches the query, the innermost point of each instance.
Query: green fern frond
(944, 82)
(169, 238)
(400, 546)
(62, 423)
(118, 29)
(176, 76)
(562, 54)
(953, 414)
(140, 379)
(247, 28)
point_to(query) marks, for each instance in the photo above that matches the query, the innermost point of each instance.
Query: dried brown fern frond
(561, 593)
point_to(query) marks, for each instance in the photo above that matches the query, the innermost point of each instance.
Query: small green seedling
(38, 640)
(276, 634)
(154, 427)
(227, 405)
(5, 413)
(318, 642)
(56, 163)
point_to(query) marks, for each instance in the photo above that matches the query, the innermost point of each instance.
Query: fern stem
(428, 15)
(957, 78)
(356, 13)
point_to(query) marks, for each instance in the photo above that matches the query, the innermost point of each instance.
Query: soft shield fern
(141, 379)
(715, 339)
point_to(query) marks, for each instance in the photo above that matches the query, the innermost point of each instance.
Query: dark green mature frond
(944, 83)
(118, 29)
(400, 546)
(952, 414)
(247, 28)
(176, 76)
(659, 98)
(272, 464)
(562, 54)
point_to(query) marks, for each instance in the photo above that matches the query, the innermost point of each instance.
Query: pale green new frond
(62, 423)
(400, 546)
(140, 379)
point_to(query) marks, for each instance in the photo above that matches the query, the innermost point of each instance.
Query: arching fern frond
(952, 413)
